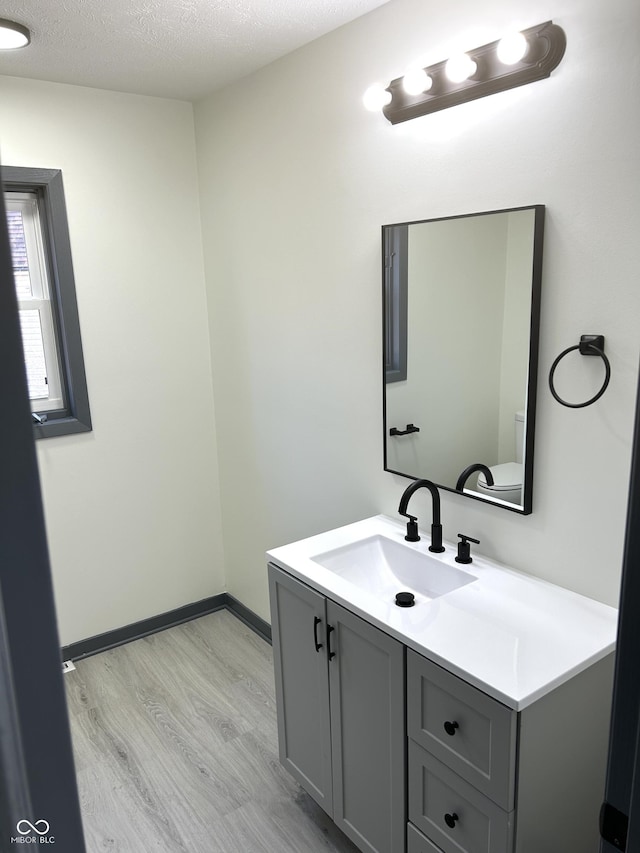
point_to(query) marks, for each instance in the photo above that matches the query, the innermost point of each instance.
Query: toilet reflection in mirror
(461, 318)
(507, 476)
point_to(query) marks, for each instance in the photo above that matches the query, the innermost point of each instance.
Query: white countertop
(510, 634)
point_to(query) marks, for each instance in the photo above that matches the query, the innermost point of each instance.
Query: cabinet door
(302, 687)
(368, 732)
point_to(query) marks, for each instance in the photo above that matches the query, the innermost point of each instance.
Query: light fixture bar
(546, 47)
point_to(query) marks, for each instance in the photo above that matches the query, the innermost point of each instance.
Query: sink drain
(405, 599)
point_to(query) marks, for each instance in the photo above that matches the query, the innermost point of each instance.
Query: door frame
(620, 816)
(37, 775)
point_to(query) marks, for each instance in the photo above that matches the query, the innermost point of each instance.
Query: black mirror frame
(526, 507)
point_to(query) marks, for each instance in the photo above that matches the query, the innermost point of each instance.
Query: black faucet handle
(464, 548)
(412, 529)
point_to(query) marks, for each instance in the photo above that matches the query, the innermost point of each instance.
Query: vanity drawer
(479, 740)
(452, 813)
(417, 843)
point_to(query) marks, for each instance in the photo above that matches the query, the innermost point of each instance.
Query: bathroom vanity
(475, 720)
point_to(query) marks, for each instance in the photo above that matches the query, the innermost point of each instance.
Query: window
(395, 248)
(34, 301)
(45, 289)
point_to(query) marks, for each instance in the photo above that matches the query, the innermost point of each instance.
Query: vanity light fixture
(516, 59)
(12, 35)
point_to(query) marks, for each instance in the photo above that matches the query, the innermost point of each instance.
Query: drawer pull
(450, 820)
(450, 728)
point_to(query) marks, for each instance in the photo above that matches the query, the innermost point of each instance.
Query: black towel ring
(589, 345)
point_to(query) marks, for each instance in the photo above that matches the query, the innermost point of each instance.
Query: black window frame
(47, 184)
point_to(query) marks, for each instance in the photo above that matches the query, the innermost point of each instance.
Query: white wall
(296, 180)
(132, 508)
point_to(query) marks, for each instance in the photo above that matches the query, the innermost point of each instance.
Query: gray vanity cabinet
(340, 694)
(484, 778)
(362, 720)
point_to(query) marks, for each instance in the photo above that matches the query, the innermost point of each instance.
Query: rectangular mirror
(461, 312)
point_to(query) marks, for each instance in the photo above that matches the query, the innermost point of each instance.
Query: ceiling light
(512, 48)
(13, 35)
(376, 97)
(416, 81)
(460, 68)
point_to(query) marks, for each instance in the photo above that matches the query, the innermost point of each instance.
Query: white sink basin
(512, 635)
(382, 567)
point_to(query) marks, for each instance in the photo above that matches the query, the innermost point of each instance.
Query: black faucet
(468, 471)
(412, 526)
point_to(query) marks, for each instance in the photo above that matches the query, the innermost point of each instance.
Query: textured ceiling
(170, 48)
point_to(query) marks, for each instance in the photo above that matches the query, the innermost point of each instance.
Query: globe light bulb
(460, 68)
(376, 97)
(416, 81)
(512, 48)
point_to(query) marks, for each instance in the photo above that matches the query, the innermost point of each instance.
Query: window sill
(60, 426)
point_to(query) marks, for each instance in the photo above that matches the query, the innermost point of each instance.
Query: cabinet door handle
(450, 820)
(450, 727)
(331, 654)
(316, 621)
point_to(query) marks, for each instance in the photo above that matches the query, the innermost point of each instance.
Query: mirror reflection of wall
(468, 319)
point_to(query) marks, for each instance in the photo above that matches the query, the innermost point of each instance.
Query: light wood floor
(175, 745)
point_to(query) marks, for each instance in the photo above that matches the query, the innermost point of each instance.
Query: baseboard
(137, 630)
(251, 619)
